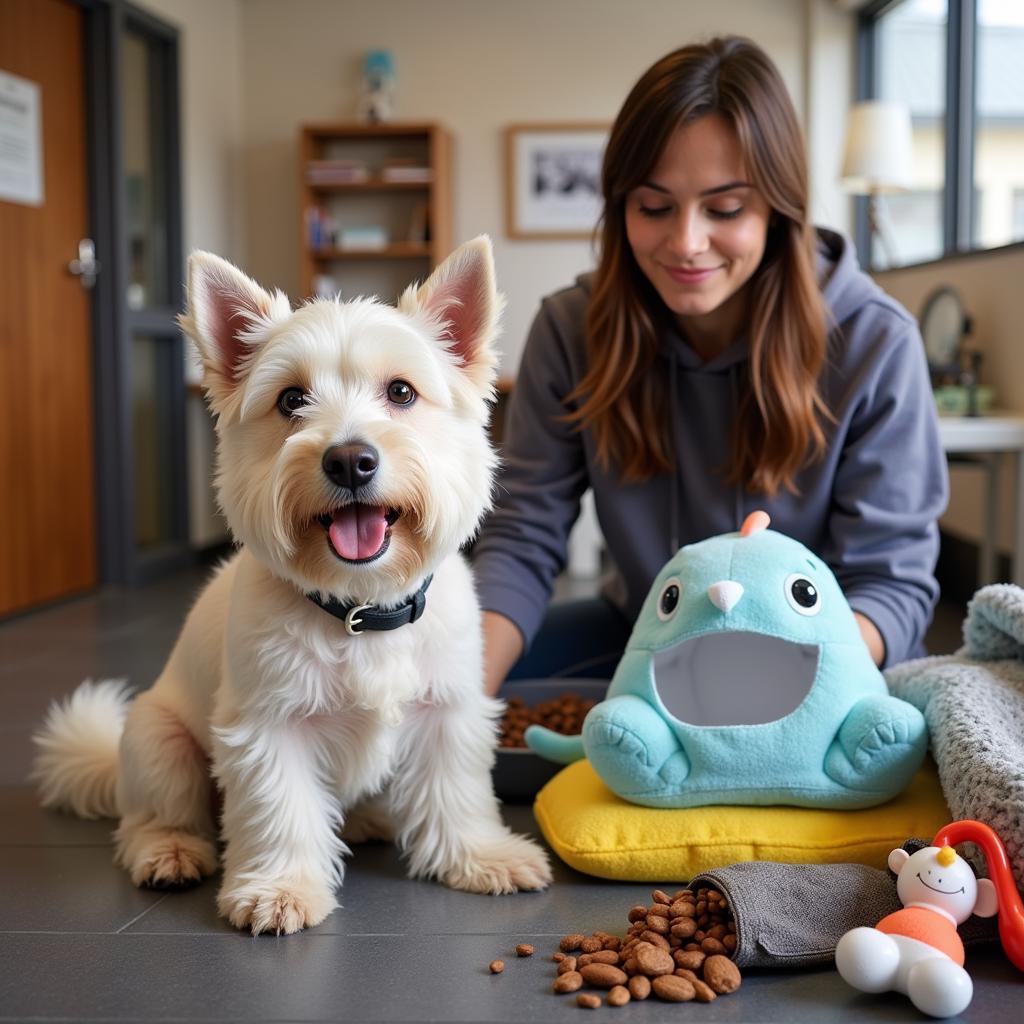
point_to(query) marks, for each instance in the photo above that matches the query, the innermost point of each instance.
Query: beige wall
(478, 65)
(990, 286)
(254, 70)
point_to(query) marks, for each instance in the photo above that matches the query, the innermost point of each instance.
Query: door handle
(86, 266)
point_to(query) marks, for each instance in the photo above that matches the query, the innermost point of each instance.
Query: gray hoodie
(869, 508)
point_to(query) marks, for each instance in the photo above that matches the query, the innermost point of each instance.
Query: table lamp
(878, 158)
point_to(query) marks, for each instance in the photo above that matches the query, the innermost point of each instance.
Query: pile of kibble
(677, 949)
(564, 714)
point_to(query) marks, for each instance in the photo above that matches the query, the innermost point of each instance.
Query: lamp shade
(878, 148)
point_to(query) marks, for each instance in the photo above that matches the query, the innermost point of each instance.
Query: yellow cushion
(596, 832)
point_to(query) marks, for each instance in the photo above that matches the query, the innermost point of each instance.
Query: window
(999, 123)
(1017, 216)
(959, 67)
(910, 66)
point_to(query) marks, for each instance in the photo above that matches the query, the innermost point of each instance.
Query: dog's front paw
(278, 906)
(502, 865)
(164, 858)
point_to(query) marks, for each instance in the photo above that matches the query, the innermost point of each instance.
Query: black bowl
(518, 772)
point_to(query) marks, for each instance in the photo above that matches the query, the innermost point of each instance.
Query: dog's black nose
(350, 465)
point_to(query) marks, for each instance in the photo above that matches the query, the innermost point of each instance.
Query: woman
(724, 357)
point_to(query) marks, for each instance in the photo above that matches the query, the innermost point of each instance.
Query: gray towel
(792, 915)
(973, 702)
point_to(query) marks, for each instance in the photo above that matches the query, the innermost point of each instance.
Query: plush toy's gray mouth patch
(734, 678)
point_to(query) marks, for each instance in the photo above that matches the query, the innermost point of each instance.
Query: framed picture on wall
(553, 179)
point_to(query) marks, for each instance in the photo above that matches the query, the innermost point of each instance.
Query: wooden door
(47, 488)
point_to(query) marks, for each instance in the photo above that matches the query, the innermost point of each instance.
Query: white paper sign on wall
(21, 141)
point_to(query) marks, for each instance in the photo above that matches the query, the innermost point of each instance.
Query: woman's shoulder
(568, 305)
(560, 323)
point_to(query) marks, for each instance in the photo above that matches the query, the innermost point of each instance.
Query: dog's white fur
(301, 721)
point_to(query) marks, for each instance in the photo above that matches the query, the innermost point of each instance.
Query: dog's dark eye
(290, 401)
(400, 392)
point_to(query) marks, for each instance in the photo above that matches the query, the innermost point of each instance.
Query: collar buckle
(351, 621)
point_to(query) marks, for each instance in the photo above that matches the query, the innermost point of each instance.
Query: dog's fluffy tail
(76, 764)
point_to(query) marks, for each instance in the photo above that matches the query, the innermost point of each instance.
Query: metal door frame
(120, 560)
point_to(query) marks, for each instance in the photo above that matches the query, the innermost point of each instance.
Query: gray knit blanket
(973, 701)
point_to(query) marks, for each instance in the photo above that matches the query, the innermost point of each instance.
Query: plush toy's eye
(668, 599)
(803, 595)
(290, 401)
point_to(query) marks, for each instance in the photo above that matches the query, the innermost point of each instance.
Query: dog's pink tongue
(357, 531)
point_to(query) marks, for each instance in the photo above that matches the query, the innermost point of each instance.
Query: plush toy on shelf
(746, 681)
(917, 950)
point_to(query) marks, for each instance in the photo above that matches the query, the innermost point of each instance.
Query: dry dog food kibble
(618, 996)
(524, 949)
(603, 975)
(677, 949)
(673, 989)
(563, 714)
(496, 966)
(639, 986)
(721, 974)
(570, 981)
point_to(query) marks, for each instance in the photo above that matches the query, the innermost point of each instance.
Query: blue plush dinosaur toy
(746, 681)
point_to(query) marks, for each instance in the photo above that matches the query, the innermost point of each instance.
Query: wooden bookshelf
(413, 217)
(375, 185)
(392, 251)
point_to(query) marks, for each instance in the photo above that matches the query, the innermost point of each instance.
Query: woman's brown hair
(622, 399)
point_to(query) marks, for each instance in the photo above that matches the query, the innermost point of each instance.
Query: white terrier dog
(353, 462)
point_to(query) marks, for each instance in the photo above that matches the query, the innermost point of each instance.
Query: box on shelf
(362, 238)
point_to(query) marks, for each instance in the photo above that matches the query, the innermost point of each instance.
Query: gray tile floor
(78, 942)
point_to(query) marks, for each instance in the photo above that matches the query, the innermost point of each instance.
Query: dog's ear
(227, 313)
(460, 296)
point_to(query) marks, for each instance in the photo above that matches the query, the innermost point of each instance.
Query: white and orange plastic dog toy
(917, 950)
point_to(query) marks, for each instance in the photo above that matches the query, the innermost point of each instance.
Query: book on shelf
(320, 228)
(408, 169)
(413, 174)
(333, 172)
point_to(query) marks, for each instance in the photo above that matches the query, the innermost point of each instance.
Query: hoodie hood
(847, 289)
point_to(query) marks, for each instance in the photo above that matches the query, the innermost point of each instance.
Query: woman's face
(698, 226)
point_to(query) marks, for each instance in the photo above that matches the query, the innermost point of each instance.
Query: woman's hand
(503, 645)
(871, 636)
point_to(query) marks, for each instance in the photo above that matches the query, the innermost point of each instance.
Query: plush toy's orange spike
(946, 856)
(755, 523)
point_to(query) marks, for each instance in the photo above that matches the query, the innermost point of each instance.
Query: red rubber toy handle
(1011, 909)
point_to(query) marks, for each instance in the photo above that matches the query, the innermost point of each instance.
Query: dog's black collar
(363, 617)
